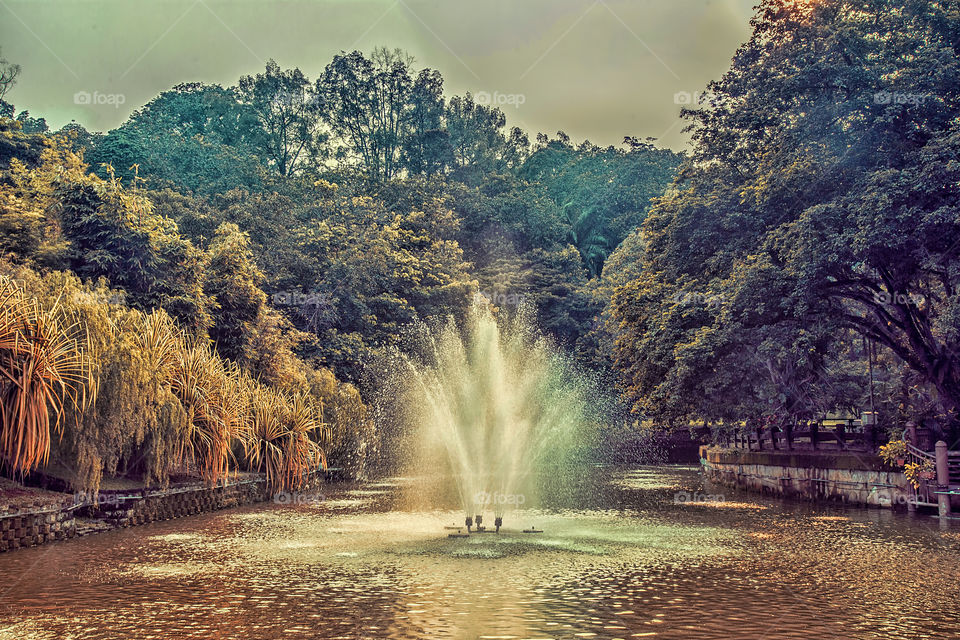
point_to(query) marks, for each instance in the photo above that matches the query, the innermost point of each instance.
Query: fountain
(495, 407)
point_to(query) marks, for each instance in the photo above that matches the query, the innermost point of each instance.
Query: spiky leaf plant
(208, 390)
(264, 445)
(43, 368)
(302, 453)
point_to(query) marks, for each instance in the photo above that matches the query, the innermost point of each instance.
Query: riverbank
(848, 477)
(30, 516)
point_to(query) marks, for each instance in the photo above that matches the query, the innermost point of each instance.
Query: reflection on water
(374, 561)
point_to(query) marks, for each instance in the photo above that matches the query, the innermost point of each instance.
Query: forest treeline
(291, 230)
(801, 261)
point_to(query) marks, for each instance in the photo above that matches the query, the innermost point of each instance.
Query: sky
(596, 69)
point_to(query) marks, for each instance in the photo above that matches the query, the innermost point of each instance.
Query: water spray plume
(496, 408)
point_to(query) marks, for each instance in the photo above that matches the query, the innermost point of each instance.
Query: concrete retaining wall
(860, 479)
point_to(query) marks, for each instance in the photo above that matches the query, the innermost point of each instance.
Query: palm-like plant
(280, 439)
(160, 340)
(43, 367)
(301, 452)
(208, 391)
(264, 444)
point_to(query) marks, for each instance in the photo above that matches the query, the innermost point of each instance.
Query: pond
(648, 552)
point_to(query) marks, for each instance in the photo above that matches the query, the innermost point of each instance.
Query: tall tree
(426, 145)
(604, 193)
(8, 76)
(476, 135)
(821, 196)
(286, 107)
(232, 280)
(193, 137)
(375, 107)
(114, 233)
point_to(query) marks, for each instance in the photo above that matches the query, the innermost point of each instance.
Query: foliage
(917, 471)
(477, 142)
(604, 194)
(166, 404)
(286, 107)
(812, 210)
(370, 104)
(113, 233)
(196, 137)
(232, 281)
(16, 143)
(45, 369)
(893, 451)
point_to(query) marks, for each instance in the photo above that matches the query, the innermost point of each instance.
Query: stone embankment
(42, 522)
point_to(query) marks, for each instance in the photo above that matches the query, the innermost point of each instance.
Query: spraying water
(496, 408)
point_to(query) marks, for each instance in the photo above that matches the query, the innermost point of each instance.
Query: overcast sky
(598, 70)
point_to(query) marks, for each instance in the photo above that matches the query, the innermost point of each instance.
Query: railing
(953, 459)
(811, 436)
(923, 494)
(937, 488)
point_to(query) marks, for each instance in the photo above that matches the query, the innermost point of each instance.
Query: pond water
(647, 553)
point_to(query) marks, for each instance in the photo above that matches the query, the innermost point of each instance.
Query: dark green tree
(195, 138)
(820, 200)
(232, 280)
(381, 115)
(287, 109)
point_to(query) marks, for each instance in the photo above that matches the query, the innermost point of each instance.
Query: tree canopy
(819, 203)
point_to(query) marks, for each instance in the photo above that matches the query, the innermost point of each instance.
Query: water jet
(493, 406)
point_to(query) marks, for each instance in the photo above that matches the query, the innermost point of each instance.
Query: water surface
(642, 556)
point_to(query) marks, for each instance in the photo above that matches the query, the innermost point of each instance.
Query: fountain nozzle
(469, 523)
(498, 522)
(478, 519)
